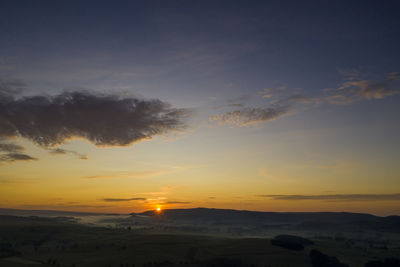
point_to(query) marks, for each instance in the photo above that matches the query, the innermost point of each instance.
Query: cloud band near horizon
(337, 197)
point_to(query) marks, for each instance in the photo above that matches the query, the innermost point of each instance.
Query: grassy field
(58, 242)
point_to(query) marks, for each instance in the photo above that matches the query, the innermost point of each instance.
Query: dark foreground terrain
(196, 239)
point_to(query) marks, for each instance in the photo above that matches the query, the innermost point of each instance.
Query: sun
(158, 209)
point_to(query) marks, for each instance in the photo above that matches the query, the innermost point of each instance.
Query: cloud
(279, 102)
(10, 147)
(60, 151)
(144, 199)
(64, 205)
(104, 120)
(10, 152)
(11, 157)
(124, 199)
(177, 202)
(298, 99)
(10, 86)
(392, 76)
(336, 197)
(273, 92)
(235, 102)
(11, 181)
(247, 116)
(140, 174)
(355, 89)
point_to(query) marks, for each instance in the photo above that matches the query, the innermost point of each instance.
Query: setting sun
(158, 209)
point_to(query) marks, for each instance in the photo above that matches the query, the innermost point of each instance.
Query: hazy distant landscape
(196, 237)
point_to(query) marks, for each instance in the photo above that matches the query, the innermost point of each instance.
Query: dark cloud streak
(11, 157)
(10, 147)
(177, 202)
(336, 197)
(10, 152)
(124, 199)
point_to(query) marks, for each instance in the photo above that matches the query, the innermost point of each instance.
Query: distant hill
(46, 213)
(207, 216)
(226, 216)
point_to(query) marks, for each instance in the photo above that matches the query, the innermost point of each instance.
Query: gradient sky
(123, 106)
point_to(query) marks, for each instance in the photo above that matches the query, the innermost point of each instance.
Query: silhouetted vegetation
(319, 259)
(391, 262)
(291, 242)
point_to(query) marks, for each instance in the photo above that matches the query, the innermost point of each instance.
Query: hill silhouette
(244, 216)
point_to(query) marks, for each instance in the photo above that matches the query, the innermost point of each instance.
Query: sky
(126, 106)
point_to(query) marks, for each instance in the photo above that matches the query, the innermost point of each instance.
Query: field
(39, 241)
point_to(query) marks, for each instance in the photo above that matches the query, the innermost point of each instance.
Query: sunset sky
(126, 106)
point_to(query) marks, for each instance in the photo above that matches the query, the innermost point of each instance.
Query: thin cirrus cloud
(64, 205)
(355, 89)
(171, 202)
(139, 174)
(247, 116)
(102, 119)
(281, 104)
(124, 199)
(60, 151)
(10, 86)
(177, 202)
(337, 197)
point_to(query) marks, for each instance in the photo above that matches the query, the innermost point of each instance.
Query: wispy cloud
(64, 205)
(336, 197)
(280, 102)
(124, 199)
(158, 200)
(140, 174)
(248, 116)
(9, 87)
(60, 151)
(353, 90)
(235, 102)
(177, 202)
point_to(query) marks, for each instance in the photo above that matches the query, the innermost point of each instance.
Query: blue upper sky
(170, 49)
(282, 83)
